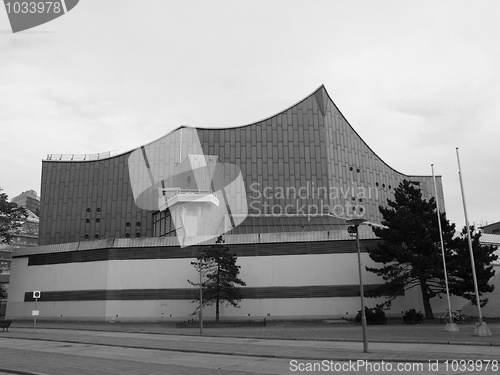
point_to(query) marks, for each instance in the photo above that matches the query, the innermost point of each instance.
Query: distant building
(5, 259)
(493, 228)
(27, 233)
(26, 236)
(28, 199)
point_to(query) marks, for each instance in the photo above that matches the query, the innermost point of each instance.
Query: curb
(20, 372)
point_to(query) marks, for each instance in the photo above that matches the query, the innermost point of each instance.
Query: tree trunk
(426, 299)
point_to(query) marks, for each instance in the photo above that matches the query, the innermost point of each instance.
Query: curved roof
(317, 94)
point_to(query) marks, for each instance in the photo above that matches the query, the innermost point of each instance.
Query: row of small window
(98, 220)
(376, 184)
(97, 236)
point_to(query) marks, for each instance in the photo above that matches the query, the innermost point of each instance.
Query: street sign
(36, 294)
(35, 312)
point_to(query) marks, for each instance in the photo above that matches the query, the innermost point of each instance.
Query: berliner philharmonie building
(118, 233)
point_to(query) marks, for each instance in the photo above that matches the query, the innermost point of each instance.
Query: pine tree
(410, 251)
(461, 281)
(219, 269)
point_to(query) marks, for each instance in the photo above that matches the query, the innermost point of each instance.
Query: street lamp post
(200, 313)
(356, 223)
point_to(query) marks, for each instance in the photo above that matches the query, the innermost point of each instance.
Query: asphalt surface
(278, 348)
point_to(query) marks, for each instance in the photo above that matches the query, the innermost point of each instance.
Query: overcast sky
(414, 78)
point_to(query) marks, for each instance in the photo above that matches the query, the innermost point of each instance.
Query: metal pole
(450, 327)
(201, 301)
(34, 322)
(481, 329)
(361, 291)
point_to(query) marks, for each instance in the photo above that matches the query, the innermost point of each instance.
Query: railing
(79, 157)
(185, 191)
(172, 192)
(169, 194)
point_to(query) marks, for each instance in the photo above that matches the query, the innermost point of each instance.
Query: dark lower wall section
(315, 291)
(241, 250)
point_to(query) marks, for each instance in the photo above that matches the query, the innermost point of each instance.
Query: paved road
(66, 351)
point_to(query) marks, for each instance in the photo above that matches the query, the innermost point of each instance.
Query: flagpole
(450, 326)
(481, 327)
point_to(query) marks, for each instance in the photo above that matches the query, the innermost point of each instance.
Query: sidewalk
(433, 333)
(286, 340)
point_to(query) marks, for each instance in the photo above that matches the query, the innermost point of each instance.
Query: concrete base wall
(288, 271)
(257, 272)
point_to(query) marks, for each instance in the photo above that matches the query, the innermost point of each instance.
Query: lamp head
(355, 222)
(352, 230)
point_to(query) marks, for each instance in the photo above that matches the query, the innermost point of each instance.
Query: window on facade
(163, 225)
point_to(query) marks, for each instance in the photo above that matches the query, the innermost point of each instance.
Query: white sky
(414, 78)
